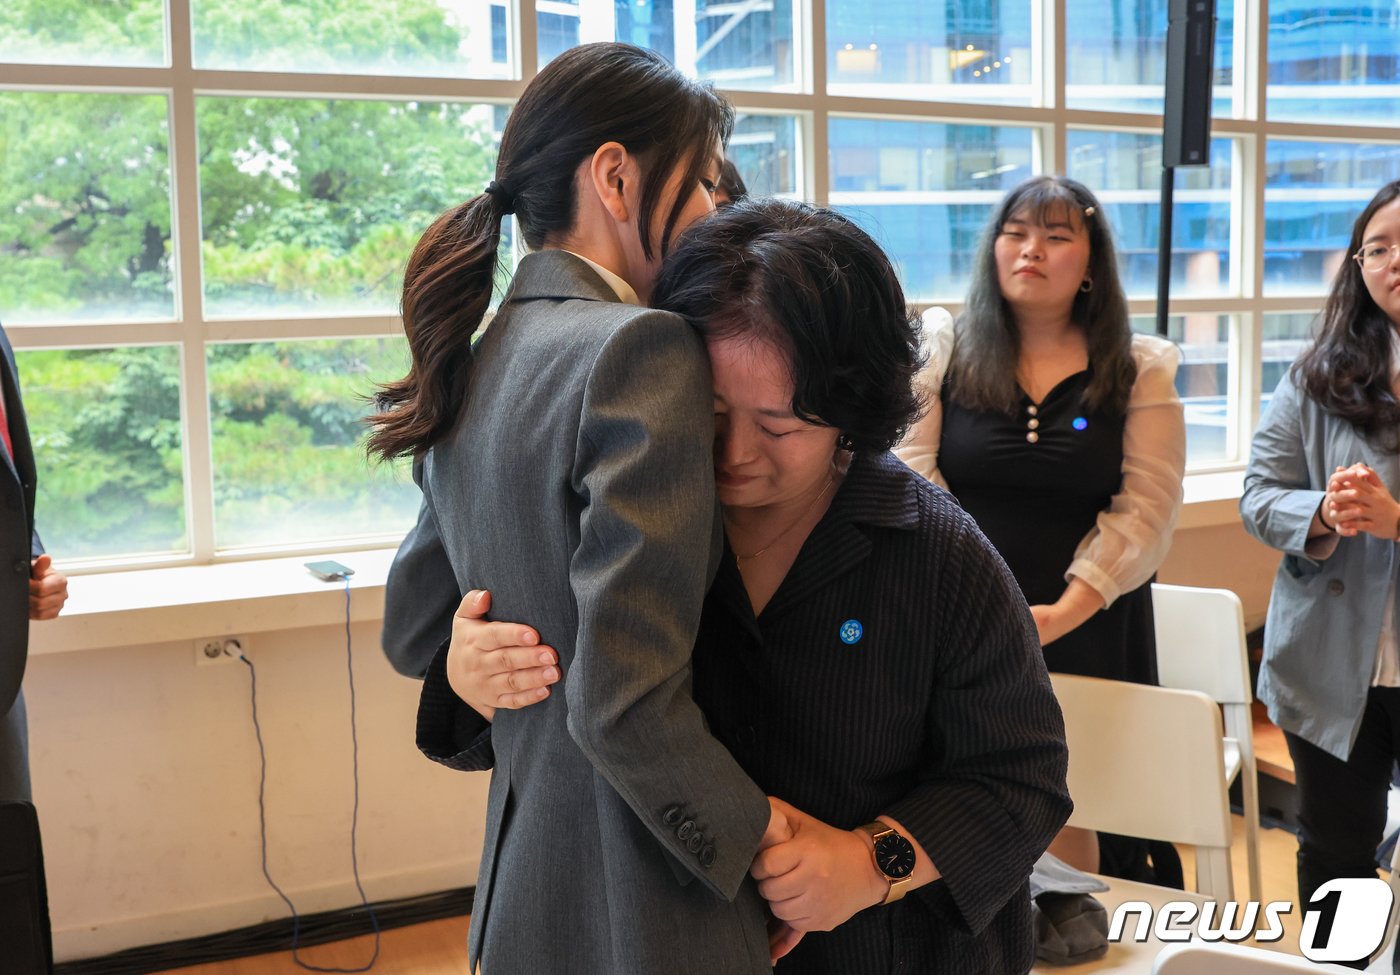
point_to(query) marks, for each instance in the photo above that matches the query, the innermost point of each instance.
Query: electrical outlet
(218, 650)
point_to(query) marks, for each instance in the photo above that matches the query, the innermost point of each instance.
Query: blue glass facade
(912, 42)
(1326, 59)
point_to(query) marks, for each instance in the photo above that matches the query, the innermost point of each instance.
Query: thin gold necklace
(786, 531)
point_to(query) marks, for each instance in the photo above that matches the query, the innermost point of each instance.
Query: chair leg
(1213, 877)
(1249, 787)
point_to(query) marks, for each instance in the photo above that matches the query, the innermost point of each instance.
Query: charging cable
(354, 815)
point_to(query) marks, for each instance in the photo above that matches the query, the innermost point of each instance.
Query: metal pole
(1164, 250)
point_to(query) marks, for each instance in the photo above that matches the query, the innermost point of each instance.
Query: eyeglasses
(1374, 257)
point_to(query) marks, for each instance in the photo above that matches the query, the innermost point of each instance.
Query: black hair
(819, 289)
(731, 182)
(1347, 369)
(982, 373)
(585, 97)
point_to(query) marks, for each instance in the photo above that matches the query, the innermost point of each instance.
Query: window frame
(1049, 118)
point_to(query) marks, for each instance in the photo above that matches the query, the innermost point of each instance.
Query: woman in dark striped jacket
(864, 652)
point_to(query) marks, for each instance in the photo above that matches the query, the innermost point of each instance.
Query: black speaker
(1190, 57)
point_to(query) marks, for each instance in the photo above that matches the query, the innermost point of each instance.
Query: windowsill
(1212, 499)
(192, 602)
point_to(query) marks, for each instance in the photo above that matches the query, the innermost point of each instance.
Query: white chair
(1145, 761)
(1201, 958)
(1201, 647)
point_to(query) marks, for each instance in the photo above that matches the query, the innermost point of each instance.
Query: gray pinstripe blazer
(578, 488)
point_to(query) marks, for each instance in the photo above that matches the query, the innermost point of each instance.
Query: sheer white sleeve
(1132, 535)
(919, 449)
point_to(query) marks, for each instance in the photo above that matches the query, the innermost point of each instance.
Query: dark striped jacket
(939, 714)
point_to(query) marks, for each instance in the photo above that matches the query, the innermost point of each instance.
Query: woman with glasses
(1321, 487)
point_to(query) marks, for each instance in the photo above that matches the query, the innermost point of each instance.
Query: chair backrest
(1201, 958)
(1145, 761)
(1200, 642)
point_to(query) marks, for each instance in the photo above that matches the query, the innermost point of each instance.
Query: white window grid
(192, 330)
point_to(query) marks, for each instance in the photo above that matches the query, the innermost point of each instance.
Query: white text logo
(1345, 920)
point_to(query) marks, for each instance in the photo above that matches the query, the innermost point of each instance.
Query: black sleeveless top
(1035, 485)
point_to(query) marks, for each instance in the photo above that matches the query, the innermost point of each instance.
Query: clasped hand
(813, 876)
(814, 880)
(1358, 501)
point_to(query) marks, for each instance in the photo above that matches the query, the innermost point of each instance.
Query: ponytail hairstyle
(587, 96)
(982, 373)
(1346, 370)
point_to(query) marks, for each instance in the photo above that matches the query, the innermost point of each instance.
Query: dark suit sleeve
(451, 732)
(645, 469)
(420, 596)
(996, 796)
(8, 365)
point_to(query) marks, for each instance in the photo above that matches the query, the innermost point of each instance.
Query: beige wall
(145, 774)
(1224, 557)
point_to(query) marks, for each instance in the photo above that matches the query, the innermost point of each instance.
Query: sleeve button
(685, 830)
(707, 856)
(673, 815)
(696, 841)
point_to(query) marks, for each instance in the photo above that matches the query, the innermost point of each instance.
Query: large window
(925, 191)
(962, 50)
(206, 206)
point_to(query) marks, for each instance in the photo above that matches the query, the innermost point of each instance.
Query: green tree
(321, 200)
(106, 430)
(310, 203)
(84, 204)
(73, 31)
(302, 199)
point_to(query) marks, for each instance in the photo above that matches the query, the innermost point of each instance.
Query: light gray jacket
(579, 489)
(1325, 612)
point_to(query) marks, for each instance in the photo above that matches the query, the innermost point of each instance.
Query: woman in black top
(1061, 433)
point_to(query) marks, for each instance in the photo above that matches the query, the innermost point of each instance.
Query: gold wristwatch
(894, 858)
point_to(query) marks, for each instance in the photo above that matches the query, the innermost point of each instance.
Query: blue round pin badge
(1080, 423)
(851, 632)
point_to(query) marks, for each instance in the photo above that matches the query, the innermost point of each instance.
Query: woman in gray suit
(864, 652)
(564, 460)
(1321, 487)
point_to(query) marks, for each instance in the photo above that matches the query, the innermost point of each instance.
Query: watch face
(895, 856)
